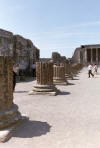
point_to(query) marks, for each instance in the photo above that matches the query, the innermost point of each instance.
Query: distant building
(87, 54)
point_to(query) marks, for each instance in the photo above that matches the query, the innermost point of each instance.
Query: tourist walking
(90, 71)
(95, 69)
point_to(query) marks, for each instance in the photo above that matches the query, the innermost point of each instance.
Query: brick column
(9, 115)
(68, 72)
(44, 75)
(59, 75)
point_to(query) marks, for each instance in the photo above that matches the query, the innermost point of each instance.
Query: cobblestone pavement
(69, 120)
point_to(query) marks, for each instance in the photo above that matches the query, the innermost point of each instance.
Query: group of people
(92, 70)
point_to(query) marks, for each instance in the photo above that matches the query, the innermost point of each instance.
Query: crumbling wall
(76, 56)
(22, 50)
(57, 58)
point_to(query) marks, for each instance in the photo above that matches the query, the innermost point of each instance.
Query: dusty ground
(69, 120)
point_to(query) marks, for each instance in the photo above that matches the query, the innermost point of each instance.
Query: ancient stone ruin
(75, 68)
(59, 75)
(10, 117)
(68, 71)
(57, 58)
(22, 50)
(44, 75)
(87, 54)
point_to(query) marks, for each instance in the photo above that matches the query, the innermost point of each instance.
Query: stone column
(85, 56)
(97, 55)
(91, 55)
(44, 75)
(9, 115)
(59, 75)
(68, 73)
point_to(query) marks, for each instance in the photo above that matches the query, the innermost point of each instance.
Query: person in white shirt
(95, 69)
(90, 71)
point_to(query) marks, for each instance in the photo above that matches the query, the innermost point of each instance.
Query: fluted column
(59, 75)
(44, 73)
(6, 83)
(9, 114)
(68, 72)
(44, 76)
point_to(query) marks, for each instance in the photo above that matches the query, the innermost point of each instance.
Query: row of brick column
(48, 76)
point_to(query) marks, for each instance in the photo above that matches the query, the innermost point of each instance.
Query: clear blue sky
(53, 25)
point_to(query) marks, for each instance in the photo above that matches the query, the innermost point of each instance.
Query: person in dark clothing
(34, 69)
(14, 80)
(15, 69)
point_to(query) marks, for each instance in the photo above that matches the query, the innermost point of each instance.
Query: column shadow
(20, 91)
(32, 129)
(71, 83)
(75, 79)
(64, 93)
(27, 79)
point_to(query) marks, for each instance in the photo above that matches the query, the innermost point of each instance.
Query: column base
(44, 90)
(60, 82)
(69, 76)
(7, 133)
(9, 121)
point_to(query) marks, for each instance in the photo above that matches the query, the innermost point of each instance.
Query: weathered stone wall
(76, 56)
(22, 50)
(6, 43)
(57, 58)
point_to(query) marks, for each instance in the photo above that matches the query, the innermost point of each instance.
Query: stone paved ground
(69, 120)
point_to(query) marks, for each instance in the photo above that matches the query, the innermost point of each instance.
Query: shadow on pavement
(27, 79)
(75, 79)
(21, 91)
(71, 83)
(30, 79)
(64, 93)
(77, 76)
(32, 129)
